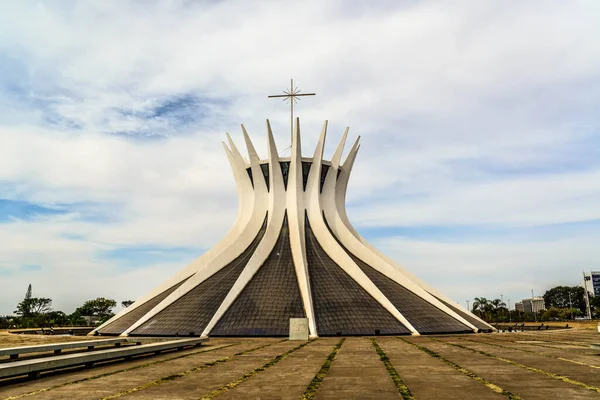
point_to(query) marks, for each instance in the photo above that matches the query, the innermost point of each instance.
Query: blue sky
(479, 168)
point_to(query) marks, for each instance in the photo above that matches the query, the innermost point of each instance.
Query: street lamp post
(587, 297)
(571, 305)
(532, 308)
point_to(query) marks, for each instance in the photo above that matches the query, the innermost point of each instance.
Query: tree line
(37, 312)
(562, 303)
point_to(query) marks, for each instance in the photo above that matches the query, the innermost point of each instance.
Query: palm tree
(481, 304)
(498, 307)
(495, 304)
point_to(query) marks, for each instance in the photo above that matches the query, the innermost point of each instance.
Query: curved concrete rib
(345, 236)
(340, 200)
(234, 150)
(231, 249)
(331, 246)
(295, 206)
(337, 155)
(252, 154)
(342, 184)
(276, 201)
(245, 207)
(243, 184)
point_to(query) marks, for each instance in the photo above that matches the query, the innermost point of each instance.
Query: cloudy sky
(480, 161)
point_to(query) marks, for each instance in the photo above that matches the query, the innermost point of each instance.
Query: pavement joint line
(564, 340)
(542, 345)
(534, 352)
(312, 388)
(185, 373)
(255, 371)
(396, 378)
(241, 353)
(465, 371)
(89, 378)
(539, 371)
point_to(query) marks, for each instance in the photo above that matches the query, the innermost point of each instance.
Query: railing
(523, 327)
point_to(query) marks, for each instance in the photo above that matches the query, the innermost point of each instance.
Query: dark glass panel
(305, 171)
(190, 314)
(342, 306)
(424, 317)
(265, 171)
(120, 325)
(249, 171)
(285, 170)
(324, 169)
(269, 300)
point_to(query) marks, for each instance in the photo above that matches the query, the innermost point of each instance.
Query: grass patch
(116, 372)
(168, 378)
(312, 388)
(539, 371)
(255, 371)
(184, 373)
(241, 353)
(402, 388)
(465, 371)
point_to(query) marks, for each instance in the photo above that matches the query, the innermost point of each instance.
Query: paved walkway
(432, 378)
(531, 365)
(357, 373)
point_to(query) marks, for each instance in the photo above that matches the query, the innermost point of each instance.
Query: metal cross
(292, 95)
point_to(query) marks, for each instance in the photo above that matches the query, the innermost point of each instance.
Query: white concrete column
(331, 246)
(295, 208)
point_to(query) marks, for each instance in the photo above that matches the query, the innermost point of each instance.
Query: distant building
(91, 320)
(596, 282)
(519, 307)
(534, 304)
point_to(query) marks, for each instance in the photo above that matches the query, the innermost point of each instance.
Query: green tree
(76, 319)
(100, 307)
(497, 310)
(127, 303)
(5, 322)
(57, 318)
(32, 311)
(481, 305)
(569, 313)
(33, 306)
(595, 305)
(551, 314)
(565, 297)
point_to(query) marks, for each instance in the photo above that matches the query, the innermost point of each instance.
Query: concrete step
(33, 367)
(14, 352)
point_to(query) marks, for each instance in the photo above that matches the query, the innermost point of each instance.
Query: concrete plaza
(528, 365)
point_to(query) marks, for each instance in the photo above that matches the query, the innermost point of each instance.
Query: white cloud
(490, 268)
(517, 201)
